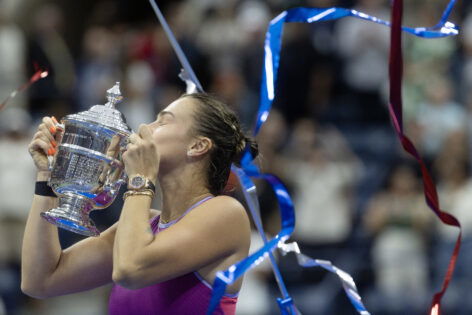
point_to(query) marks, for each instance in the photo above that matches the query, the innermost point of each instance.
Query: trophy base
(72, 215)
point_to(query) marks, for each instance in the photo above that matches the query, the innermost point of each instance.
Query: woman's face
(171, 132)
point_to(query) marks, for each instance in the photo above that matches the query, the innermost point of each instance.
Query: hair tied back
(247, 144)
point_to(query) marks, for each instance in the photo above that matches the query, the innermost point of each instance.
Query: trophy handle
(123, 179)
(58, 137)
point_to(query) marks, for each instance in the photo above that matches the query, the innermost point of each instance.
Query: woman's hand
(142, 156)
(43, 144)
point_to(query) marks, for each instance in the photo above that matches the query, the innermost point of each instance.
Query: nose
(141, 127)
(145, 130)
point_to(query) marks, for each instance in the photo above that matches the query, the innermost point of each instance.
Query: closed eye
(163, 117)
(165, 113)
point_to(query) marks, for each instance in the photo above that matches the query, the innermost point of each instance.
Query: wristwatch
(140, 182)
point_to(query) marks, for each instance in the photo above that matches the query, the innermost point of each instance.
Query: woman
(167, 266)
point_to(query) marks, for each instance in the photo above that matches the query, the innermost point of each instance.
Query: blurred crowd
(359, 199)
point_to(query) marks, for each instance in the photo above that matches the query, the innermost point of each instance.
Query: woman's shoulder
(224, 218)
(228, 200)
(223, 208)
(227, 204)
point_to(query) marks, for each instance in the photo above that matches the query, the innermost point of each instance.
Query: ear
(199, 147)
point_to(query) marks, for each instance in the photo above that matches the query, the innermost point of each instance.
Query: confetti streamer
(177, 49)
(395, 109)
(273, 43)
(38, 75)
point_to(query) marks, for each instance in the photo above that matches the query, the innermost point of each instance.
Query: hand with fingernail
(44, 143)
(141, 156)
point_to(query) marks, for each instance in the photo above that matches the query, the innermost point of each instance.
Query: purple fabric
(187, 294)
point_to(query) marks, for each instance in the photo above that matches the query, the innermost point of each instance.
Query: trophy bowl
(87, 170)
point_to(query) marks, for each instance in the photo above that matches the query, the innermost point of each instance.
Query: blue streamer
(309, 15)
(250, 194)
(272, 49)
(348, 283)
(229, 276)
(446, 14)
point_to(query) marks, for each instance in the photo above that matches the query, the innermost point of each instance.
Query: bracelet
(42, 188)
(145, 192)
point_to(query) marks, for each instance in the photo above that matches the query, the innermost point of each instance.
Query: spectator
(138, 106)
(364, 50)
(17, 173)
(438, 116)
(98, 69)
(398, 220)
(48, 50)
(455, 191)
(323, 170)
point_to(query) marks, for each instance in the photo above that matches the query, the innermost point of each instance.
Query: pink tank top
(187, 294)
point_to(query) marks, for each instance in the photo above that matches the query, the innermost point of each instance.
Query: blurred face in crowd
(404, 180)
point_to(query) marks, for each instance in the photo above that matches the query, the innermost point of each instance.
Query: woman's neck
(180, 190)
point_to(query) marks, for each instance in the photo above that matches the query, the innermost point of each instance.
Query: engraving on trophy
(87, 171)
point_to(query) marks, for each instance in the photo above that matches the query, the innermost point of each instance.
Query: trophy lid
(106, 115)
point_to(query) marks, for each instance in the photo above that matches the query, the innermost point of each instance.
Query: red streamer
(38, 75)
(395, 109)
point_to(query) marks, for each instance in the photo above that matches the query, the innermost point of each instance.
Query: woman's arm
(46, 270)
(133, 233)
(216, 230)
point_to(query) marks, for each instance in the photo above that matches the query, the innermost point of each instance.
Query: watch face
(137, 182)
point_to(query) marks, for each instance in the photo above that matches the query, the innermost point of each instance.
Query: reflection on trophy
(87, 170)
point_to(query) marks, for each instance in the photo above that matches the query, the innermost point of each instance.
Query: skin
(211, 237)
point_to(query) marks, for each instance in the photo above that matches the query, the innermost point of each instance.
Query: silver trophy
(87, 170)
